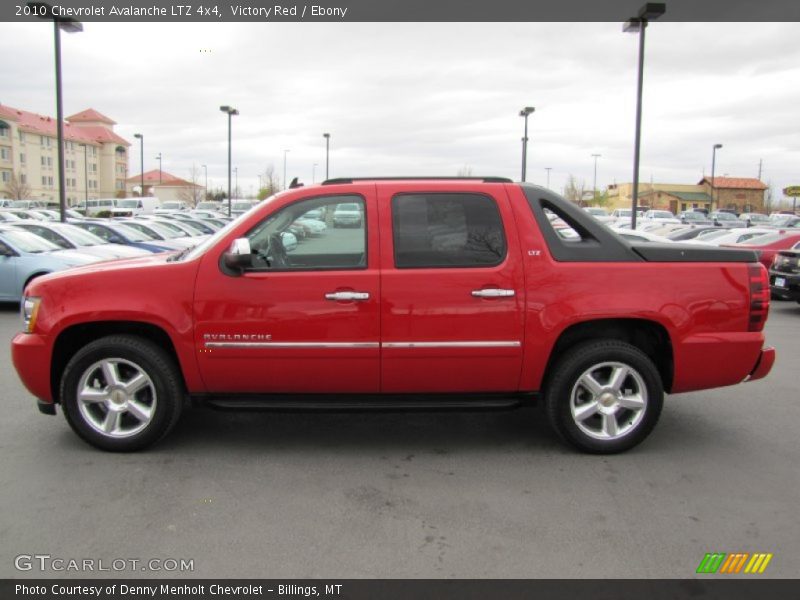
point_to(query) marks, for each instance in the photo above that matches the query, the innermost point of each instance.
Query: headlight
(29, 309)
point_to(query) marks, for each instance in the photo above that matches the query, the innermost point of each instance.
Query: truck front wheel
(121, 393)
(604, 396)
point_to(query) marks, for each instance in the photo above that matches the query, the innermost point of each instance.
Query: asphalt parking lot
(433, 495)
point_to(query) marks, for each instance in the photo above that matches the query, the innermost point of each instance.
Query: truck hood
(115, 265)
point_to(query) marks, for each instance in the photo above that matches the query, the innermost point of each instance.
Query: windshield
(712, 234)
(241, 205)
(171, 205)
(25, 241)
(694, 216)
(130, 233)
(764, 240)
(78, 236)
(662, 214)
(128, 204)
(723, 216)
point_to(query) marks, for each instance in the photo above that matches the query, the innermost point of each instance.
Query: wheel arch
(650, 337)
(74, 337)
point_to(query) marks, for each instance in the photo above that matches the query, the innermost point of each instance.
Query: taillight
(759, 296)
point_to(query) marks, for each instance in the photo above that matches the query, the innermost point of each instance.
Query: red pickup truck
(438, 293)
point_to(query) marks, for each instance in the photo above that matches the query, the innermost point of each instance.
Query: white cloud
(410, 98)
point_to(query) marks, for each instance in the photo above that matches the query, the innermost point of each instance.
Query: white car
(347, 215)
(663, 217)
(600, 214)
(735, 235)
(644, 236)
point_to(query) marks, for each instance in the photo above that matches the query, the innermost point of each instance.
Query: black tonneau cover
(678, 252)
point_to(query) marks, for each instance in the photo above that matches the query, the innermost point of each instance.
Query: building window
(4, 129)
(5, 153)
(21, 135)
(50, 180)
(23, 178)
(6, 176)
(21, 159)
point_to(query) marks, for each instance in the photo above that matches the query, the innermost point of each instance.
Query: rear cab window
(446, 230)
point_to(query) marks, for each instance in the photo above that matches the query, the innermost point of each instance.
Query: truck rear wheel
(604, 396)
(121, 393)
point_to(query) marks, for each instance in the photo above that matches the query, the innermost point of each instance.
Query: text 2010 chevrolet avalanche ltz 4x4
(443, 293)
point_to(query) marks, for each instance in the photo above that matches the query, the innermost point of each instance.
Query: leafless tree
(465, 171)
(574, 191)
(16, 189)
(270, 184)
(192, 194)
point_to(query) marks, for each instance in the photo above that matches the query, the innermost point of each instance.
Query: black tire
(136, 416)
(620, 416)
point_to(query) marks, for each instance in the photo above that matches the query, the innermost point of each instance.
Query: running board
(356, 402)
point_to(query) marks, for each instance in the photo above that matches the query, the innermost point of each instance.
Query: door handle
(493, 293)
(347, 296)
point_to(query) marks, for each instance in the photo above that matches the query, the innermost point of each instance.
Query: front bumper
(30, 354)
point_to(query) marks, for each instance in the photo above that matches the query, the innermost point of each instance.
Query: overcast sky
(429, 99)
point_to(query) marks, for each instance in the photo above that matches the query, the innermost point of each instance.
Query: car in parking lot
(768, 245)
(347, 215)
(70, 236)
(25, 256)
(723, 218)
(660, 216)
(119, 233)
(754, 219)
(693, 217)
(784, 275)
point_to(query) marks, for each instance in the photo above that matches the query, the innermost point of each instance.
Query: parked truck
(453, 294)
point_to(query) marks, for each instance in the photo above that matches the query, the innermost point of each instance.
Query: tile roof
(40, 124)
(167, 179)
(737, 183)
(90, 114)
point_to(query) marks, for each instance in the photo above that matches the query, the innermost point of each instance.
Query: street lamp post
(548, 169)
(594, 185)
(45, 11)
(230, 111)
(327, 137)
(141, 166)
(713, 166)
(525, 112)
(205, 168)
(649, 12)
(285, 152)
(158, 158)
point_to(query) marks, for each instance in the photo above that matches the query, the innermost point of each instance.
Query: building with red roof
(165, 186)
(95, 157)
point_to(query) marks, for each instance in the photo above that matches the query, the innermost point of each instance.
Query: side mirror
(239, 257)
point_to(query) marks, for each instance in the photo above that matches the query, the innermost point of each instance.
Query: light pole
(327, 137)
(230, 111)
(525, 112)
(649, 12)
(158, 158)
(713, 165)
(548, 169)
(594, 185)
(205, 168)
(285, 152)
(45, 11)
(141, 154)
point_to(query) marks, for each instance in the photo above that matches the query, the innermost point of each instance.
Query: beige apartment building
(742, 194)
(95, 158)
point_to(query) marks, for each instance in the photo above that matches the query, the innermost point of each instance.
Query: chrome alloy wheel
(116, 397)
(608, 400)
